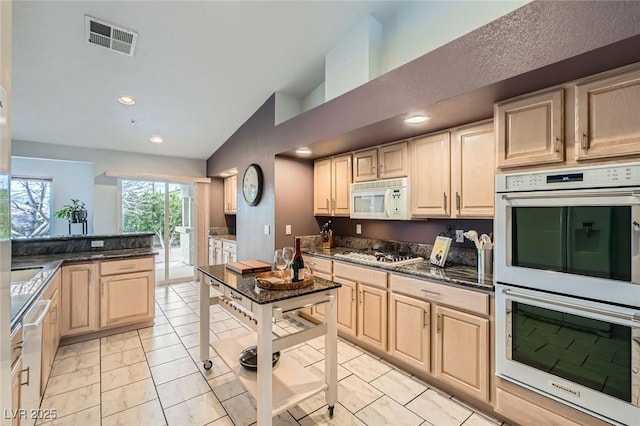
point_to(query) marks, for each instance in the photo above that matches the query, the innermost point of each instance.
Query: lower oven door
(580, 352)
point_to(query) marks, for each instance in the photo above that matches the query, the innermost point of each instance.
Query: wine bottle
(297, 263)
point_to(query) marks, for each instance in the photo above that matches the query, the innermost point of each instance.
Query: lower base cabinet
(126, 298)
(462, 351)
(410, 331)
(79, 299)
(372, 316)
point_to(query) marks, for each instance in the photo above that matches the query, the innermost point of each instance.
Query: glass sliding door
(165, 209)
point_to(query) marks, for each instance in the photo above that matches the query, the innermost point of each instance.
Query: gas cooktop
(375, 257)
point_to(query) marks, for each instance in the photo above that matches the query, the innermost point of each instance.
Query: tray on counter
(272, 280)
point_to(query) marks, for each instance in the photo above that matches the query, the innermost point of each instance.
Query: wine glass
(280, 262)
(288, 253)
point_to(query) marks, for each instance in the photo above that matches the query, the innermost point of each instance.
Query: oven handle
(563, 194)
(626, 317)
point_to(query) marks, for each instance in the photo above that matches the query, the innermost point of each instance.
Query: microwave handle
(387, 202)
(559, 194)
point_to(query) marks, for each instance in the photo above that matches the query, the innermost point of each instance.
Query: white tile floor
(153, 376)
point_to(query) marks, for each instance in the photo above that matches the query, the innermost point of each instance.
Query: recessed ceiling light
(126, 100)
(303, 151)
(156, 139)
(416, 119)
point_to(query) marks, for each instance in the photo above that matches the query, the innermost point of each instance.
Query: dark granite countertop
(246, 285)
(463, 275)
(86, 236)
(25, 294)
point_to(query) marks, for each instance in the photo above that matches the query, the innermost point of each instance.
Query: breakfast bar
(286, 383)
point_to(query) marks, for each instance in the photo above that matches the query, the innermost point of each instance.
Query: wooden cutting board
(249, 266)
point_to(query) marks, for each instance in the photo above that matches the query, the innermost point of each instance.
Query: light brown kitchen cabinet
(372, 315)
(50, 330)
(431, 176)
(607, 118)
(231, 195)
(331, 181)
(473, 171)
(16, 391)
(362, 303)
(530, 129)
(383, 162)
(127, 290)
(79, 299)
(462, 351)
(410, 331)
(321, 268)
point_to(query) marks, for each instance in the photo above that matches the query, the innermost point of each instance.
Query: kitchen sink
(23, 275)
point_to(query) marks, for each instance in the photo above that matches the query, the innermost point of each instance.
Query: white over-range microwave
(387, 199)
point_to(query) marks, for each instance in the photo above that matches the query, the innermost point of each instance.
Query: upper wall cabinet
(608, 117)
(383, 162)
(453, 173)
(331, 180)
(231, 195)
(530, 130)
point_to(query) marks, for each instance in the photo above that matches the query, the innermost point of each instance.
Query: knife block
(327, 240)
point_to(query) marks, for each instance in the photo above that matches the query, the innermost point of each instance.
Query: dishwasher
(32, 359)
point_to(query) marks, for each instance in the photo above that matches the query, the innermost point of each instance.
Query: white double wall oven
(567, 253)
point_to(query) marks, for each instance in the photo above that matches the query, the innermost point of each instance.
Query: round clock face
(252, 184)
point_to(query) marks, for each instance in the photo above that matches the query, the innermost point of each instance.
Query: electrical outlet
(97, 243)
(287, 229)
(266, 230)
(358, 228)
(459, 236)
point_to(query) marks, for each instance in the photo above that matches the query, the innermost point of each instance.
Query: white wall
(105, 189)
(313, 99)
(354, 60)
(71, 179)
(420, 27)
(287, 107)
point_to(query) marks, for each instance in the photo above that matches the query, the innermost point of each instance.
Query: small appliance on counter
(326, 232)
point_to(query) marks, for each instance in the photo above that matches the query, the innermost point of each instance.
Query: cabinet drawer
(215, 242)
(126, 266)
(467, 300)
(16, 344)
(229, 246)
(236, 297)
(360, 274)
(316, 264)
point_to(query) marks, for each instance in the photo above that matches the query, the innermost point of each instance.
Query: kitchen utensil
(472, 235)
(249, 358)
(485, 242)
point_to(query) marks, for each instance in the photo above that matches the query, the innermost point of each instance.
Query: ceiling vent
(118, 39)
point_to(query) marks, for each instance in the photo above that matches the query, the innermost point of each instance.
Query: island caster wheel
(331, 407)
(208, 364)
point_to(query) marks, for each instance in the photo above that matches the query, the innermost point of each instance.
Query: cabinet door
(79, 299)
(410, 331)
(372, 316)
(55, 324)
(365, 165)
(230, 194)
(322, 187)
(430, 171)
(607, 117)
(530, 130)
(16, 390)
(232, 257)
(218, 256)
(473, 171)
(346, 306)
(393, 160)
(462, 351)
(340, 187)
(126, 298)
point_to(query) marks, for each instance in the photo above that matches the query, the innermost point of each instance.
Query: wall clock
(252, 184)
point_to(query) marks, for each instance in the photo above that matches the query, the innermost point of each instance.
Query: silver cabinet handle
(458, 201)
(585, 142)
(557, 144)
(439, 323)
(328, 204)
(353, 297)
(444, 201)
(425, 321)
(54, 318)
(234, 297)
(129, 266)
(214, 283)
(361, 296)
(435, 293)
(28, 375)
(102, 289)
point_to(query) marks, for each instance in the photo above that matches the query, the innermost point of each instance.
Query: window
(30, 207)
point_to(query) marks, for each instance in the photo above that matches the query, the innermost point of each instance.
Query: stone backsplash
(79, 244)
(456, 256)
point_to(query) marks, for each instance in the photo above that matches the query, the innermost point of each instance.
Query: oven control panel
(622, 175)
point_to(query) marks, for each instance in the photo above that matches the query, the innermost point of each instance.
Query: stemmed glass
(288, 253)
(280, 262)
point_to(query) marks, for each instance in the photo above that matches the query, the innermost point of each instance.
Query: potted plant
(75, 212)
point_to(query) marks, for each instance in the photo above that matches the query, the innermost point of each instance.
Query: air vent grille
(118, 39)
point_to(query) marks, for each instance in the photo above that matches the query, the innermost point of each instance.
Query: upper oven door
(579, 242)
